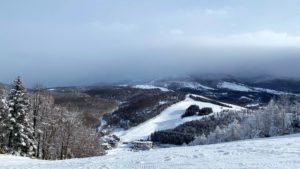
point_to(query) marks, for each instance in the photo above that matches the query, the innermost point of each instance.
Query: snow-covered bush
(205, 111)
(191, 111)
(230, 133)
(187, 132)
(63, 136)
(195, 110)
(172, 137)
(280, 117)
(141, 145)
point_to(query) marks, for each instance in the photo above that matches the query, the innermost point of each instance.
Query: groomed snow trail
(272, 153)
(168, 119)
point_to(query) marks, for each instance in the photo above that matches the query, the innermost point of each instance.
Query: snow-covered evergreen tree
(20, 139)
(3, 122)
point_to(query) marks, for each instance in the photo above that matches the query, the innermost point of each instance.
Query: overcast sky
(72, 42)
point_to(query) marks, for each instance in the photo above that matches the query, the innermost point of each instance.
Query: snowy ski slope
(271, 153)
(168, 119)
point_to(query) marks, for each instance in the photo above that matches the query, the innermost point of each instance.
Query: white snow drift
(234, 86)
(272, 153)
(148, 87)
(244, 88)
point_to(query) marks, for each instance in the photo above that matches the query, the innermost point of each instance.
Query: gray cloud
(76, 42)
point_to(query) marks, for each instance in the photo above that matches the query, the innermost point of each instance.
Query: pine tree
(20, 140)
(3, 123)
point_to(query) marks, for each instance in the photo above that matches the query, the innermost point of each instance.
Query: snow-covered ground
(244, 88)
(147, 87)
(192, 85)
(234, 86)
(188, 84)
(272, 91)
(197, 86)
(272, 153)
(168, 119)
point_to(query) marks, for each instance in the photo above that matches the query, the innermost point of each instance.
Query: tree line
(32, 125)
(280, 117)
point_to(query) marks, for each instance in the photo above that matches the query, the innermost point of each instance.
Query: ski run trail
(271, 153)
(169, 119)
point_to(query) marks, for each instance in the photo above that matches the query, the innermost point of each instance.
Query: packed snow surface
(271, 153)
(272, 91)
(186, 84)
(244, 88)
(234, 86)
(193, 85)
(168, 119)
(147, 87)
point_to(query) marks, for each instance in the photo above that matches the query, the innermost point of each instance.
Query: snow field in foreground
(271, 153)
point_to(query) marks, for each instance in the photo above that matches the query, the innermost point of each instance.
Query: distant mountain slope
(181, 84)
(149, 87)
(169, 119)
(284, 85)
(242, 91)
(3, 87)
(243, 88)
(234, 86)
